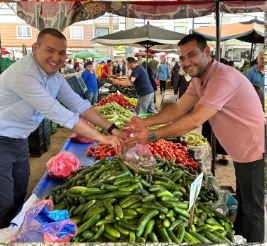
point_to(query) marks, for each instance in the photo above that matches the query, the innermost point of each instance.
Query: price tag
(194, 190)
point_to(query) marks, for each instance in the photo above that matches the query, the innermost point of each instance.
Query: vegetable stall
(112, 199)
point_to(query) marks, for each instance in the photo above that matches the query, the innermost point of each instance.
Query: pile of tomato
(101, 151)
(166, 149)
(118, 98)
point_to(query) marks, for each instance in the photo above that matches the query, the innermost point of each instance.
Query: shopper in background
(139, 78)
(183, 82)
(90, 81)
(162, 75)
(174, 77)
(31, 89)
(225, 97)
(153, 63)
(106, 71)
(99, 68)
(256, 76)
(94, 64)
(76, 66)
(149, 71)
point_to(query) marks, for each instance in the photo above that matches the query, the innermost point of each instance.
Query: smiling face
(50, 53)
(193, 60)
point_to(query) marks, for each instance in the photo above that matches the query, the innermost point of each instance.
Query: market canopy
(144, 36)
(250, 31)
(61, 14)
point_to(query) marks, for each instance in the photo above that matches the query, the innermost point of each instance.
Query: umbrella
(87, 54)
(144, 36)
(251, 31)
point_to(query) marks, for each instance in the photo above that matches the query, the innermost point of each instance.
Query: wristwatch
(113, 126)
(152, 137)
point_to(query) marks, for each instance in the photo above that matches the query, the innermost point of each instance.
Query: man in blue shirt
(90, 81)
(162, 75)
(31, 89)
(256, 76)
(144, 89)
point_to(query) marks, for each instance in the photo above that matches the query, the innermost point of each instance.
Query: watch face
(153, 137)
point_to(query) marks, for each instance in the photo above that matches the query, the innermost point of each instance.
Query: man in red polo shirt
(106, 71)
(223, 96)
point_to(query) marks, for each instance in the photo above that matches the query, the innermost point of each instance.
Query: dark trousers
(162, 85)
(250, 196)
(14, 176)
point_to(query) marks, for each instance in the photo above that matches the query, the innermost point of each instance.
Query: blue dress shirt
(28, 94)
(256, 77)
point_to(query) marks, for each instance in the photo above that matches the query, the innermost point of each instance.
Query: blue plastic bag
(42, 224)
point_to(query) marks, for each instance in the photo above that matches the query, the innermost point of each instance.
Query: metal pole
(218, 31)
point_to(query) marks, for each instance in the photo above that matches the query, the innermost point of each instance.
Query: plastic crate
(39, 140)
(77, 84)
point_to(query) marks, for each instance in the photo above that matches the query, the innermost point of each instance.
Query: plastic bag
(63, 165)
(42, 225)
(139, 159)
(79, 139)
(202, 153)
(221, 204)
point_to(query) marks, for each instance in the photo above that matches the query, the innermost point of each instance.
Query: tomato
(89, 153)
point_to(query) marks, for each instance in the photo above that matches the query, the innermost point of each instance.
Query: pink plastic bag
(40, 226)
(79, 139)
(63, 165)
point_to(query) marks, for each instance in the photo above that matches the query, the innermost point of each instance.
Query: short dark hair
(89, 63)
(201, 41)
(51, 31)
(131, 60)
(108, 61)
(224, 61)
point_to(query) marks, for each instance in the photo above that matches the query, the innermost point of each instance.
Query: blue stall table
(46, 183)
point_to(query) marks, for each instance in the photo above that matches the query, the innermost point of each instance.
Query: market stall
(110, 198)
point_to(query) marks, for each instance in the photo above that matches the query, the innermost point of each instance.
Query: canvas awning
(251, 31)
(60, 14)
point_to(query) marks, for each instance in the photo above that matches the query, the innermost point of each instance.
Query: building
(15, 32)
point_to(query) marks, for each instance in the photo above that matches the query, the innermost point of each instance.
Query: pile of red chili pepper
(101, 151)
(118, 98)
(166, 149)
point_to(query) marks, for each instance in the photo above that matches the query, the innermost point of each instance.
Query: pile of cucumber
(110, 203)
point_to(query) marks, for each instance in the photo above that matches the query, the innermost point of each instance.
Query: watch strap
(113, 126)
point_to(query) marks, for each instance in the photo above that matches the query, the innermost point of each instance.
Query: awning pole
(218, 31)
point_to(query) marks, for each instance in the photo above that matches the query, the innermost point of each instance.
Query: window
(76, 32)
(180, 29)
(101, 31)
(24, 32)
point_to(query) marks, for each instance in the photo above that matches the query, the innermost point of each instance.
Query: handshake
(132, 133)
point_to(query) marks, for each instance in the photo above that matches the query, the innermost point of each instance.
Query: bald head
(260, 60)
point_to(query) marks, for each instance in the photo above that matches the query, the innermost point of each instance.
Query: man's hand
(112, 141)
(135, 125)
(119, 134)
(138, 137)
